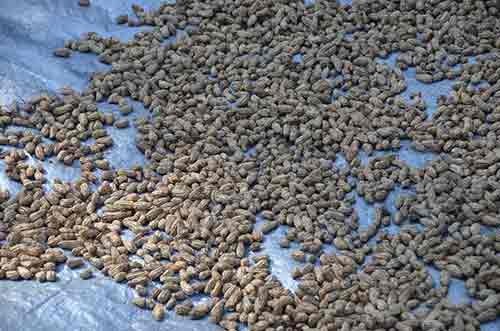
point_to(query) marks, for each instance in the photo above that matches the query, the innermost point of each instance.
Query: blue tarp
(29, 32)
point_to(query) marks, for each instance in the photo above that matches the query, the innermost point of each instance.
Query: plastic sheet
(29, 31)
